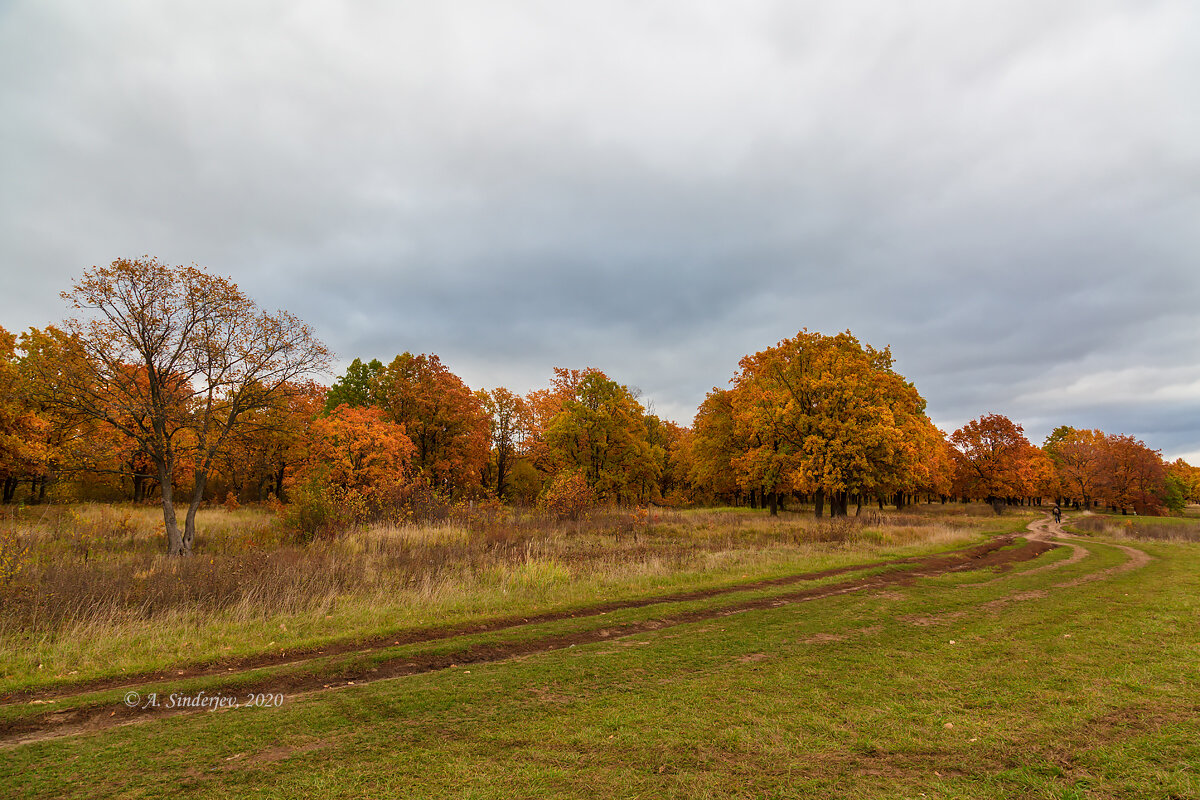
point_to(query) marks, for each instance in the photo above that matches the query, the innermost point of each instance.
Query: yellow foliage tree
(827, 416)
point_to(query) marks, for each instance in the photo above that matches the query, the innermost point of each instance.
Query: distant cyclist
(1057, 514)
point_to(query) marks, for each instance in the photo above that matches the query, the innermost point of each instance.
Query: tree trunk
(501, 472)
(773, 499)
(189, 525)
(819, 503)
(174, 540)
(839, 504)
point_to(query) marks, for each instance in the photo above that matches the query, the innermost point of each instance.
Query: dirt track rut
(996, 553)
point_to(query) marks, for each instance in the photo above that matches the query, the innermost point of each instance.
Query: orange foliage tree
(97, 457)
(1078, 461)
(357, 468)
(445, 420)
(24, 446)
(509, 417)
(590, 424)
(932, 469)
(991, 452)
(715, 445)
(274, 441)
(826, 416)
(673, 443)
(1183, 484)
(175, 358)
(1134, 475)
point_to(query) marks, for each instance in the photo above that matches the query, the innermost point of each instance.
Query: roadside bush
(424, 505)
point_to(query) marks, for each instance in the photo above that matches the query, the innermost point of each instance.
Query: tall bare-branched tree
(175, 358)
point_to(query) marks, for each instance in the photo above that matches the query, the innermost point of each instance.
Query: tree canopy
(175, 358)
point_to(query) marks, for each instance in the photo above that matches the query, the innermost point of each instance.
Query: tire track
(88, 718)
(301, 655)
(1048, 531)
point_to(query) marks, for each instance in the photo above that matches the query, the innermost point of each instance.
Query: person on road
(1057, 513)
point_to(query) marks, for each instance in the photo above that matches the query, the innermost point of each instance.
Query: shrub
(320, 510)
(569, 496)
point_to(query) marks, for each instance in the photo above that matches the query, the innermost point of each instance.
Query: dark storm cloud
(1004, 192)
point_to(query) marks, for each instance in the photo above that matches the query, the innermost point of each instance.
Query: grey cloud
(1004, 192)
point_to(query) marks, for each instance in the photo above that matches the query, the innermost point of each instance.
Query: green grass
(1086, 691)
(457, 578)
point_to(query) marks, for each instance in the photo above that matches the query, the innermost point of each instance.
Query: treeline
(826, 420)
(175, 383)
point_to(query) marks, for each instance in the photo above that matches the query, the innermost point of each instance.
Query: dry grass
(95, 591)
(1170, 529)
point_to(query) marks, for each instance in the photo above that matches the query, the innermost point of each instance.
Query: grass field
(1070, 675)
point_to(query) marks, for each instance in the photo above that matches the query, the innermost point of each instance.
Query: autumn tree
(361, 456)
(715, 446)
(931, 469)
(98, 457)
(1036, 475)
(24, 446)
(543, 406)
(445, 420)
(990, 451)
(272, 442)
(600, 431)
(675, 467)
(175, 358)
(1183, 485)
(509, 416)
(1134, 475)
(1078, 460)
(824, 415)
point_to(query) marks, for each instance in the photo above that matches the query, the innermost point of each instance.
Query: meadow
(717, 653)
(94, 595)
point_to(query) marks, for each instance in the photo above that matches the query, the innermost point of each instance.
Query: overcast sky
(1007, 193)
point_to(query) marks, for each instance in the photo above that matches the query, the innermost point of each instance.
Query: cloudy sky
(1007, 193)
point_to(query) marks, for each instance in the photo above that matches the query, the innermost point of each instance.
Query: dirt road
(361, 661)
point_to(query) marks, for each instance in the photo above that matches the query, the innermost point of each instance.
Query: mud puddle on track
(87, 718)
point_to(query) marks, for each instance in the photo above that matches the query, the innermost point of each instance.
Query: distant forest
(170, 385)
